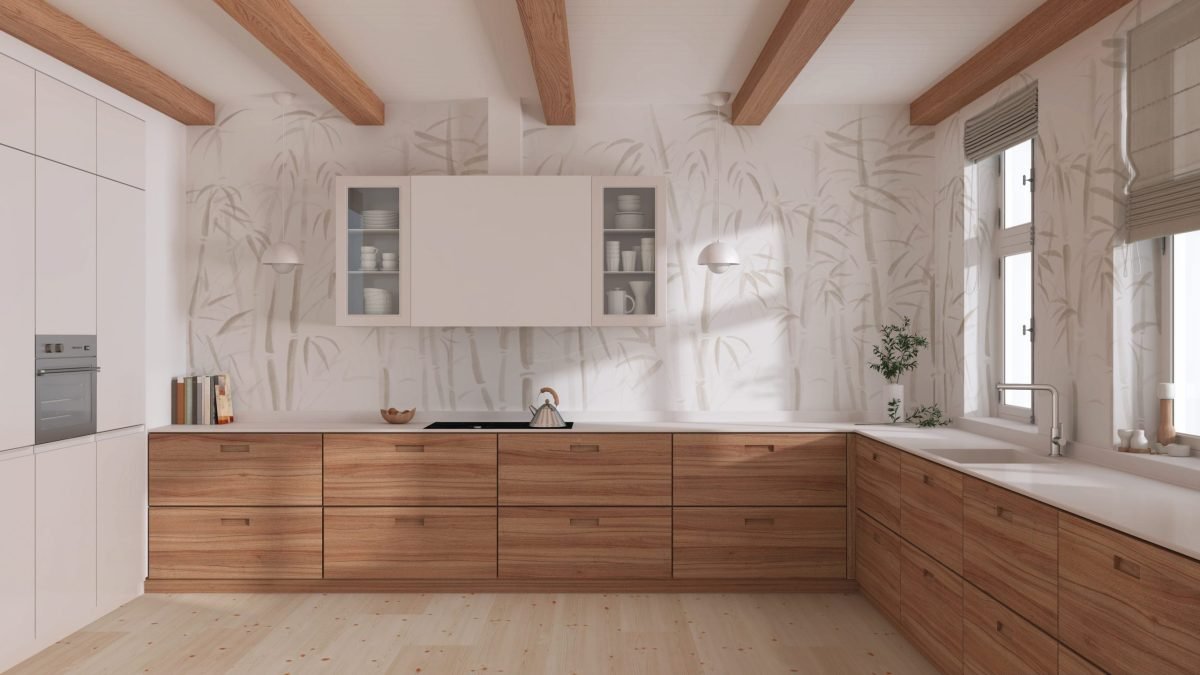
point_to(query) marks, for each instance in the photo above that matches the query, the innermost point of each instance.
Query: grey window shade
(1164, 124)
(1005, 124)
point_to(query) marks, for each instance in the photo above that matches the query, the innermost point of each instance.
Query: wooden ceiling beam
(545, 24)
(43, 27)
(1042, 31)
(284, 30)
(802, 28)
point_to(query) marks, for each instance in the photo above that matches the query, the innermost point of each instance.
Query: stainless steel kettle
(547, 416)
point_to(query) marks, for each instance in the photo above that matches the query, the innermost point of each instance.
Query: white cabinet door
(501, 250)
(16, 114)
(120, 146)
(16, 272)
(120, 305)
(17, 561)
(120, 517)
(66, 536)
(66, 124)
(66, 250)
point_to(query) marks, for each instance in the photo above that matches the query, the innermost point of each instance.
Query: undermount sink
(492, 425)
(989, 456)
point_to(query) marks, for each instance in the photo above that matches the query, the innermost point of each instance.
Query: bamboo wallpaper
(829, 207)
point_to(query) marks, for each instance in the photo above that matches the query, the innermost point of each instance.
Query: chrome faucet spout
(1056, 432)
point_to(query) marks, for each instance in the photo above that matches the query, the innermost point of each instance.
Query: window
(1182, 288)
(1013, 332)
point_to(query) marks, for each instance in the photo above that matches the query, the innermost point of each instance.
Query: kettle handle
(550, 390)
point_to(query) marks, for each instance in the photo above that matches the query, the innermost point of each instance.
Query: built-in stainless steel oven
(65, 387)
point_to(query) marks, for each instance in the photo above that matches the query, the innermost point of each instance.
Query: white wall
(165, 224)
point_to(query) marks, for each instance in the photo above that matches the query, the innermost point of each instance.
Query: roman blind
(1005, 124)
(1164, 124)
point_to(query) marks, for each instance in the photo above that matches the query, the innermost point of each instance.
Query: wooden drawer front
(760, 469)
(585, 469)
(1010, 550)
(997, 640)
(410, 469)
(931, 600)
(877, 481)
(1125, 605)
(1070, 663)
(585, 543)
(235, 469)
(760, 543)
(877, 564)
(235, 543)
(410, 543)
(931, 510)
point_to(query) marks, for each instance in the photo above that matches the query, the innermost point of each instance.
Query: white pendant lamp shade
(719, 257)
(282, 258)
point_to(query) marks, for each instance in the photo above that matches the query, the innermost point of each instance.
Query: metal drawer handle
(585, 448)
(1004, 513)
(417, 522)
(999, 626)
(62, 371)
(926, 573)
(235, 448)
(768, 448)
(1127, 566)
(585, 522)
(875, 456)
(925, 478)
(244, 522)
(767, 522)
(410, 448)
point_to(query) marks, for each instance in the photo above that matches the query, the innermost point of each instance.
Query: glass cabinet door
(373, 251)
(629, 251)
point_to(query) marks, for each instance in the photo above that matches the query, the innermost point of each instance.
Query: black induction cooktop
(493, 425)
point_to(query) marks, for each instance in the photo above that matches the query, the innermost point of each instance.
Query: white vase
(893, 392)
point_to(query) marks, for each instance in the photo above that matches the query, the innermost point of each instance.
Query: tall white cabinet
(17, 573)
(65, 251)
(66, 124)
(16, 269)
(120, 516)
(120, 305)
(16, 115)
(65, 514)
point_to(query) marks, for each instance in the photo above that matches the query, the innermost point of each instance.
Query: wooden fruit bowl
(393, 416)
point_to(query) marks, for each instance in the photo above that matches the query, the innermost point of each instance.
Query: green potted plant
(895, 355)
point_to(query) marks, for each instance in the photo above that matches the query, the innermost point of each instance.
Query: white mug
(612, 262)
(629, 261)
(618, 302)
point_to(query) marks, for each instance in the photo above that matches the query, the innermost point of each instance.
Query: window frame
(1167, 326)
(1007, 242)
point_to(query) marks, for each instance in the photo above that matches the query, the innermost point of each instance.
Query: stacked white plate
(377, 219)
(377, 301)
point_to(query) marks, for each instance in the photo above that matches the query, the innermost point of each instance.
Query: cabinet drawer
(585, 469)
(1070, 663)
(877, 481)
(585, 543)
(1125, 605)
(997, 640)
(410, 469)
(877, 565)
(235, 469)
(235, 543)
(410, 543)
(760, 543)
(760, 469)
(931, 600)
(931, 510)
(1010, 550)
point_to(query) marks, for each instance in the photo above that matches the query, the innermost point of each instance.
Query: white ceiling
(623, 51)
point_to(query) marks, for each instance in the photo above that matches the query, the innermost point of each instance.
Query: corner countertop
(1152, 510)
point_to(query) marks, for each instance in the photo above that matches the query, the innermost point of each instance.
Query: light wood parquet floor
(526, 634)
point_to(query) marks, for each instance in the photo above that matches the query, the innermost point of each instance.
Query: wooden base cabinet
(931, 509)
(585, 543)
(877, 481)
(877, 556)
(410, 543)
(931, 608)
(759, 542)
(410, 470)
(760, 470)
(998, 640)
(585, 469)
(235, 543)
(221, 469)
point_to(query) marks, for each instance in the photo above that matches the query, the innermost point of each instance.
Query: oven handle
(56, 371)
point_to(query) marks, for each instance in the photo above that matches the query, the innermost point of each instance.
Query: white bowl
(629, 221)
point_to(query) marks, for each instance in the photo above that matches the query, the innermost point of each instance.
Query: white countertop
(1161, 513)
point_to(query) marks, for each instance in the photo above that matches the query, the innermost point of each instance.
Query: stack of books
(201, 399)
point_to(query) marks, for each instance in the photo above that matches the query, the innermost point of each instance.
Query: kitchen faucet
(1056, 439)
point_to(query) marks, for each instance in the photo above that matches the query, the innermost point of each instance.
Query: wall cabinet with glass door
(373, 257)
(629, 252)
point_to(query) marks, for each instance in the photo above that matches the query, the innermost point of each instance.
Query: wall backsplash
(829, 206)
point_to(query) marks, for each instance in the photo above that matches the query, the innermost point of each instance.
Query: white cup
(388, 256)
(648, 254)
(369, 250)
(390, 266)
(618, 302)
(629, 261)
(612, 261)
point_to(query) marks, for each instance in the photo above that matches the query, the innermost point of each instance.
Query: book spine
(188, 403)
(229, 396)
(174, 401)
(213, 416)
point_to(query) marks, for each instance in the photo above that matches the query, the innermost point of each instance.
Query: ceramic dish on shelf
(393, 416)
(629, 221)
(629, 203)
